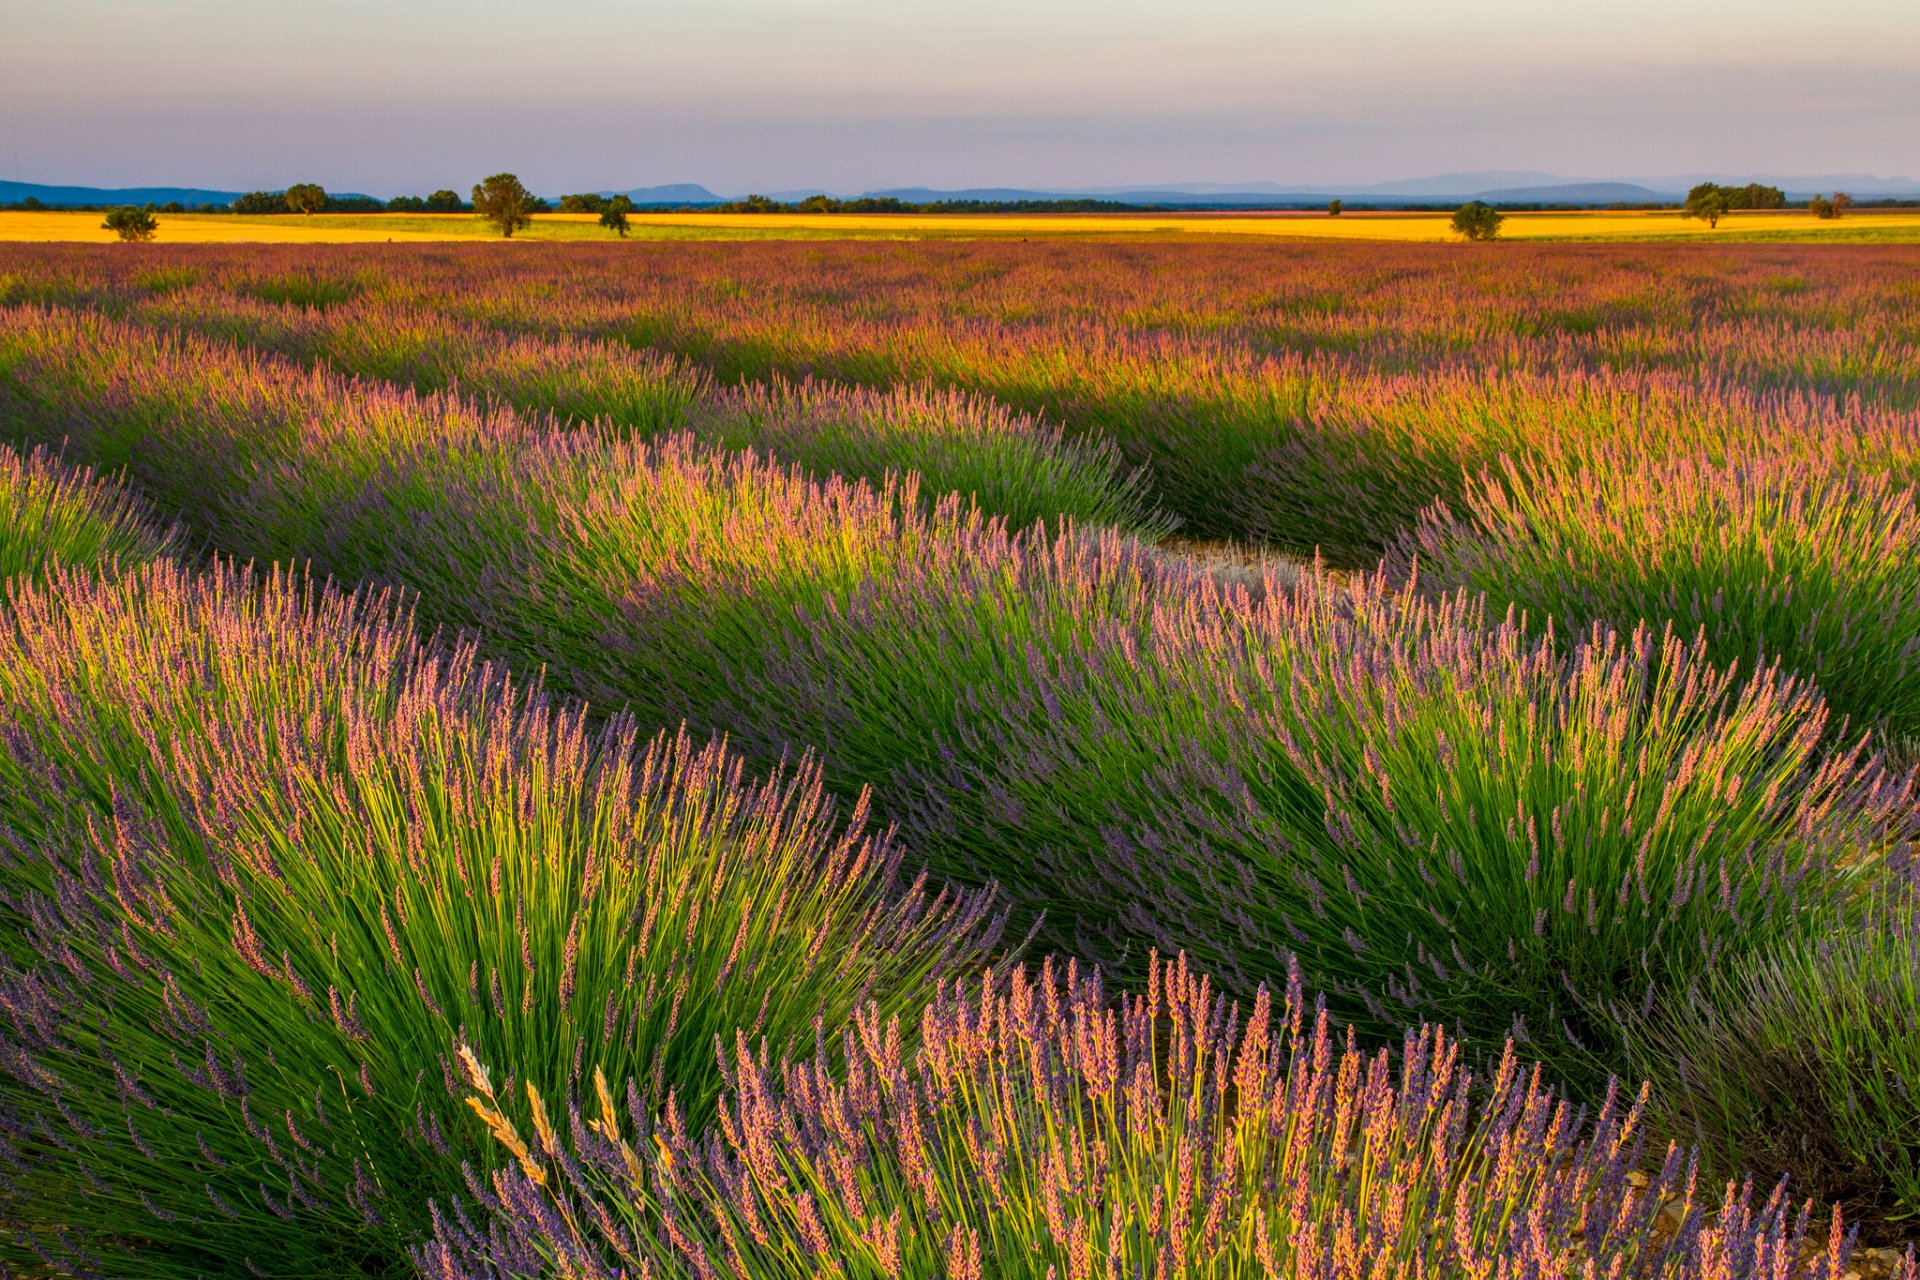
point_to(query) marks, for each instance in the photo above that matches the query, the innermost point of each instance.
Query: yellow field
(1903, 225)
(177, 228)
(1348, 226)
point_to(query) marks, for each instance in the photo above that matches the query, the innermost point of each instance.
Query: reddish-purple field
(699, 716)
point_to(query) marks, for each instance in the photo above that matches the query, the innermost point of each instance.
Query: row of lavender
(1146, 757)
(1306, 398)
(1584, 497)
(1008, 463)
(282, 879)
(272, 863)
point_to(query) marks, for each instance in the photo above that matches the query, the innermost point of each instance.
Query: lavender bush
(1807, 1060)
(1447, 819)
(1012, 465)
(1039, 1130)
(54, 514)
(268, 862)
(1809, 561)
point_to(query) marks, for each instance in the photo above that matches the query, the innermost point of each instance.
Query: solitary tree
(306, 197)
(132, 224)
(1334, 207)
(1478, 221)
(444, 201)
(502, 201)
(1841, 203)
(1708, 203)
(1821, 207)
(613, 215)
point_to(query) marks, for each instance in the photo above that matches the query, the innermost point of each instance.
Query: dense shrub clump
(1446, 820)
(1806, 1061)
(1810, 562)
(52, 514)
(268, 863)
(1010, 464)
(1039, 1129)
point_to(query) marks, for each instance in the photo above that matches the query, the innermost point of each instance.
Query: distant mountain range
(674, 194)
(14, 192)
(1494, 185)
(58, 197)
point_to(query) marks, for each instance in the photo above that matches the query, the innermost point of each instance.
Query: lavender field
(742, 760)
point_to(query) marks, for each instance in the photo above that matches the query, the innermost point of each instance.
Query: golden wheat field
(62, 225)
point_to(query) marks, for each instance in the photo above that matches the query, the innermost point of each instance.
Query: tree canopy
(613, 214)
(1478, 221)
(131, 223)
(1711, 201)
(504, 202)
(1708, 203)
(306, 197)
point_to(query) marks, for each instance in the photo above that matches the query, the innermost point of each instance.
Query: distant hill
(676, 193)
(1443, 186)
(66, 197)
(1164, 196)
(1588, 193)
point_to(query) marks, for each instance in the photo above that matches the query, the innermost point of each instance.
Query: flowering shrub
(267, 860)
(1807, 1059)
(1039, 1129)
(54, 514)
(1806, 561)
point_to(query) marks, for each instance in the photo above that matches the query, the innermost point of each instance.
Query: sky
(398, 96)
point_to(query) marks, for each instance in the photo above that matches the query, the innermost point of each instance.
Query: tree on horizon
(505, 202)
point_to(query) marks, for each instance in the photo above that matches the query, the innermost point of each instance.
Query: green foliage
(444, 201)
(586, 202)
(258, 202)
(613, 215)
(753, 204)
(301, 289)
(1335, 207)
(1810, 563)
(1477, 221)
(306, 197)
(53, 515)
(167, 280)
(1708, 203)
(1827, 210)
(1806, 1062)
(1019, 470)
(255, 912)
(132, 224)
(1753, 195)
(1043, 1129)
(502, 201)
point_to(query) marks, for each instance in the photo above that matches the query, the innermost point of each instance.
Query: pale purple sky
(389, 96)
